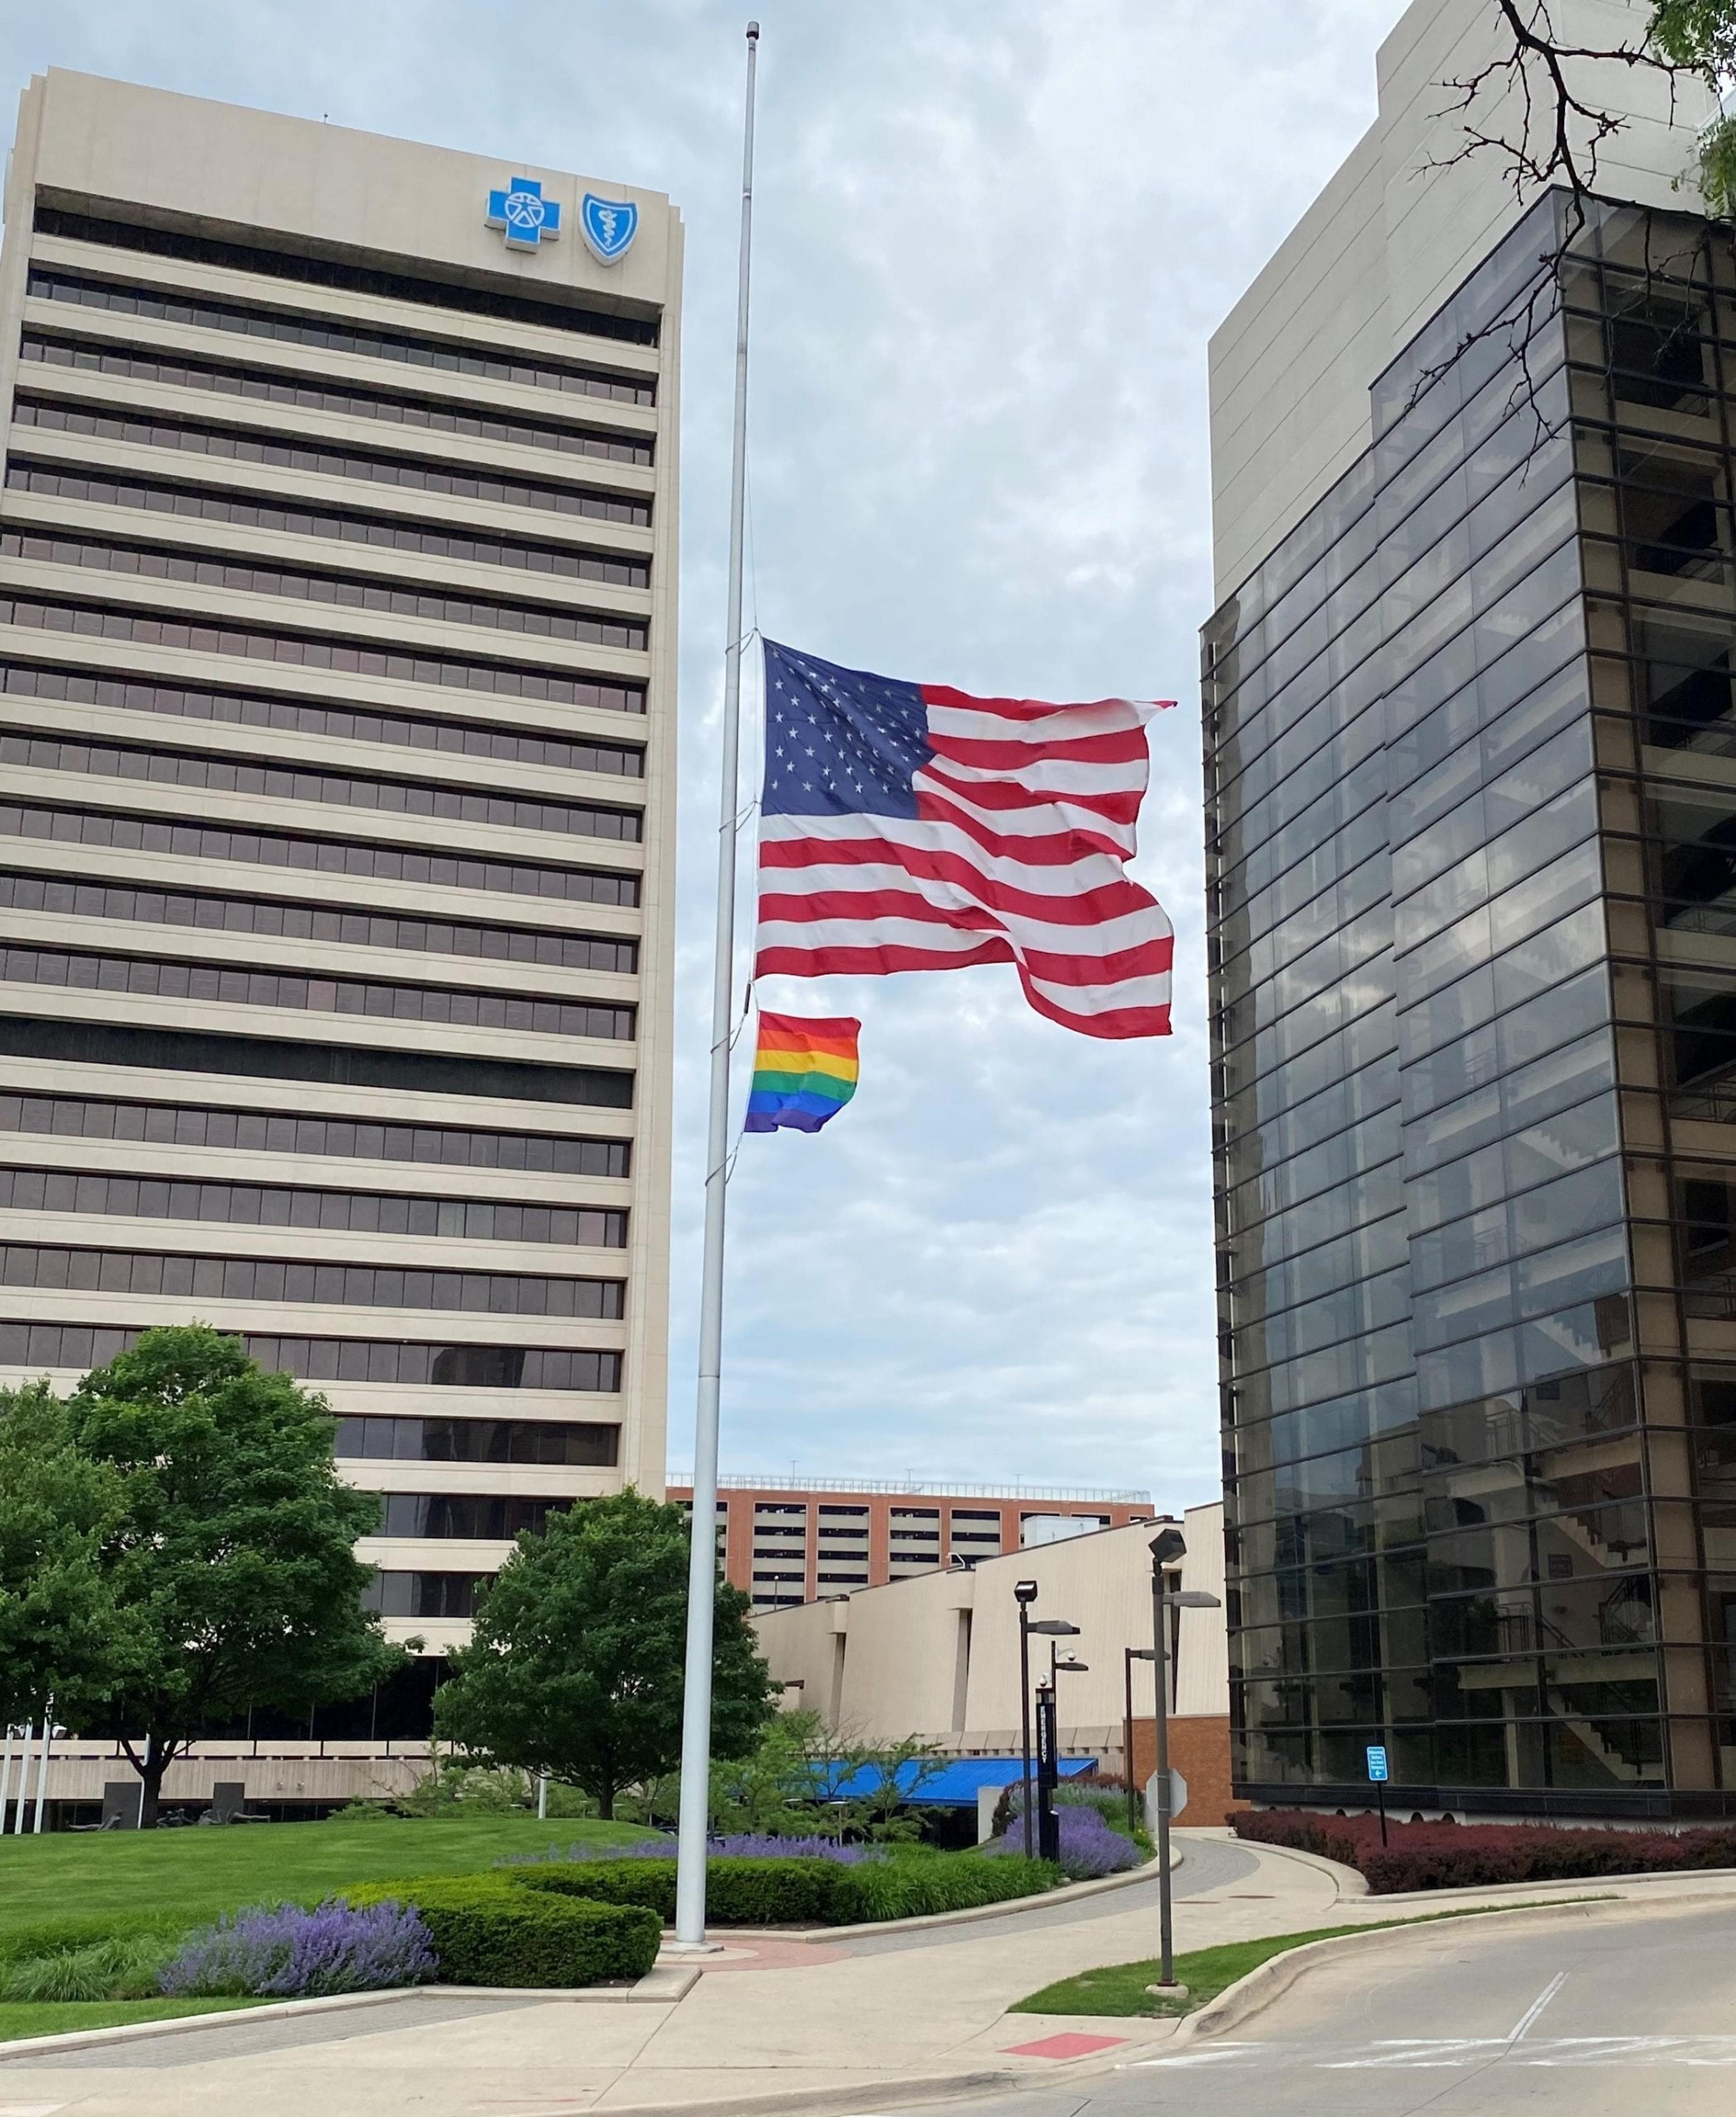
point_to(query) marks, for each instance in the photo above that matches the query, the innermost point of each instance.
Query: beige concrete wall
(937, 1656)
(1394, 232)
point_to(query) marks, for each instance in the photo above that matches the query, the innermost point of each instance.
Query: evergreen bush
(489, 1929)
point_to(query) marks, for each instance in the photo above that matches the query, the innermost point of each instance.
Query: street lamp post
(1129, 1656)
(1167, 1546)
(1024, 1594)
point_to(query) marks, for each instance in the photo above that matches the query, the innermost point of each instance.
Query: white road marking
(1537, 2004)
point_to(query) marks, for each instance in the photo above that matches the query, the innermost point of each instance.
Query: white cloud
(992, 241)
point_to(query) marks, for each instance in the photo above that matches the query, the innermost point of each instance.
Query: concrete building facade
(338, 573)
(937, 1655)
(786, 1542)
(1469, 735)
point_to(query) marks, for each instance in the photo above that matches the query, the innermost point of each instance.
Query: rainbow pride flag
(804, 1072)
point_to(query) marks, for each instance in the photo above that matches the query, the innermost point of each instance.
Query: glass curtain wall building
(1470, 764)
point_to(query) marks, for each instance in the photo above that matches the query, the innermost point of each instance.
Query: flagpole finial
(753, 33)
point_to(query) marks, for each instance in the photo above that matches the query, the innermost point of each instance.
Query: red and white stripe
(1025, 819)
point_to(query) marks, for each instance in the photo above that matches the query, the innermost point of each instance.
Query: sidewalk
(848, 2025)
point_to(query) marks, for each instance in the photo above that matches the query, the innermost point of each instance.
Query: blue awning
(956, 1783)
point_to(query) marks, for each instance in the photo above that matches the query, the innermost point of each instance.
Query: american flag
(907, 827)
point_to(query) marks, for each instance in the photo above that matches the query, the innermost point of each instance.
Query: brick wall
(1199, 1750)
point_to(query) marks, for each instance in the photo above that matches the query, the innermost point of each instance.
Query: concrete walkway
(847, 2025)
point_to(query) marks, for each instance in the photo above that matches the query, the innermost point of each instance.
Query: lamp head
(1070, 1667)
(1191, 1598)
(1055, 1628)
(1167, 1546)
(1024, 1592)
(1141, 1653)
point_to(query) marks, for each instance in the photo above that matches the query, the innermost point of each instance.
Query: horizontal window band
(288, 518)
(376, 1436)
(283, 1131)
(76, 227)
(171, 563)
(276, 1205)
(312, 394)
(440, 1595)
(212, 773)
(416, 1072)
(383, 1361)
(414, 473)
(169, 1276)
(207, 312)
(474, 1517)
(337, 925)
(219, 985)
(298, 854)
(351, 658)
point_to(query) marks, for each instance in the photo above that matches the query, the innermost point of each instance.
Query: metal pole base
(1173, 1990)
(690, 1947)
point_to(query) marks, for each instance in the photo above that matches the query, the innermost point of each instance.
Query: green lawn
(64, 1887)
(1121, 1989)
(55, 2019)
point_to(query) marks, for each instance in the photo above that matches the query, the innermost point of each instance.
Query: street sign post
(1376, 1755)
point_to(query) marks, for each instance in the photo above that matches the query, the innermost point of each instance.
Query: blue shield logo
(524, 216)
(609, 224)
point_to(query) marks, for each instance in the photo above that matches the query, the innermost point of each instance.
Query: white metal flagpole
(702, 1572)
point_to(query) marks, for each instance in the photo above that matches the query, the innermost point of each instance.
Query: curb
(820, 2102)
(1351, 1882)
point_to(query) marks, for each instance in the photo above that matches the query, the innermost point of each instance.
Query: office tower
(1471, 803)
(337, 713)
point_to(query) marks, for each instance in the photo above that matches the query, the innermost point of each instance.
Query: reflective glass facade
(1471, 865)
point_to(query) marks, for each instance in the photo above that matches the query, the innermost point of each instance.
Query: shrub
(1447, 1855)
(490, 1930)
(1089, 1849)
(120, 1968)
(805, 1892)
(738, 1892)
(739, 1845)
(943, 1882)
(293, 1953)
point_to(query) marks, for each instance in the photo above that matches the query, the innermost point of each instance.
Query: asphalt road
(1208, 1864)
(1629, 2013)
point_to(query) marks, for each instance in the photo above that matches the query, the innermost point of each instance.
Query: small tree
(232, 1562)
(575, 1667)
(61, 1632)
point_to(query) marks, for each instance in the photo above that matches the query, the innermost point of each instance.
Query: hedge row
(1448, 1855)
(488, 1929)
(803, 1892)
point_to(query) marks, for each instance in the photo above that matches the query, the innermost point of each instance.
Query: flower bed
(1089, 1848)
(290, 1953)
(1449, 1856)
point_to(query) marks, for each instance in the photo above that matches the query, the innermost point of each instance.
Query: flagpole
(702, 1570)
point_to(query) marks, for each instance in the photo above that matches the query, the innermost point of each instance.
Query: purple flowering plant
(1089, 1848)
(288, 1953)
(736, 1845)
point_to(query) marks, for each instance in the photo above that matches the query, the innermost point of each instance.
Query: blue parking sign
(1377, 1763)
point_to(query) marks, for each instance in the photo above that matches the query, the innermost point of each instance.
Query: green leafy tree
(61, 1632)
(1700, 37)
(575, 1666)
(232, 1562)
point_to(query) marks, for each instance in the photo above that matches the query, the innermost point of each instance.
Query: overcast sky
(992, 239)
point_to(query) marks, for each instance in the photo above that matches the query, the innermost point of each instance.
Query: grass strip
(1207, 1971)
(54, 2017)
(173, 1880)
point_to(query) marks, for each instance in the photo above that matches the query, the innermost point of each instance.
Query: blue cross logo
(523, 216)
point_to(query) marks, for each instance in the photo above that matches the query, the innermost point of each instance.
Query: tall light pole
(1024, 1594)
(702, 1572)
(1167, 1546)
(1130, 1655)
